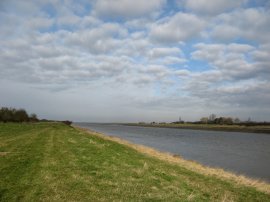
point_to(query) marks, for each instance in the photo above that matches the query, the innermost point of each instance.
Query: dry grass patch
(3, 153)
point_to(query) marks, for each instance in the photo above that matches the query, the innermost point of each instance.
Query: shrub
(67, 122)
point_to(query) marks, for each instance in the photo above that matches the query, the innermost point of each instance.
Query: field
(214, 127)
(55, 162)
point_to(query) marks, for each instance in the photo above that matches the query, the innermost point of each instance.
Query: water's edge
(241, 153)
(191, 165)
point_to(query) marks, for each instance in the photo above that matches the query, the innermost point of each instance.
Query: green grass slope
(54, 162)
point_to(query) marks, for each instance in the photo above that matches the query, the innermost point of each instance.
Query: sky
(130, 61)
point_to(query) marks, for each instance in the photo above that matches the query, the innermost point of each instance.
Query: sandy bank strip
(190, 165)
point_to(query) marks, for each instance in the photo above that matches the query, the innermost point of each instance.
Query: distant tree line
(213, 119)
(16, 115)
(20, 115)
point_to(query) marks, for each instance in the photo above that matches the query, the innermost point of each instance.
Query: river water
(241, 153)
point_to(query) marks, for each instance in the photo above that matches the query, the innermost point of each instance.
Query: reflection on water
(242, 153)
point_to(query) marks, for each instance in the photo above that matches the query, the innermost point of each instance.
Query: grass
(54, 162)
(214, 127)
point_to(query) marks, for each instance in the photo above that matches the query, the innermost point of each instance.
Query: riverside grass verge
(54, 162)
(212, 127)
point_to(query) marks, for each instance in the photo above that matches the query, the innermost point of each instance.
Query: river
(240, 153)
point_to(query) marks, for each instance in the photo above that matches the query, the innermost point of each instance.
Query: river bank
(191, 165)
(55, 162)
(211, 127)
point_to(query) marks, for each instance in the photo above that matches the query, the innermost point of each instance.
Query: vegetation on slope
(54, 162)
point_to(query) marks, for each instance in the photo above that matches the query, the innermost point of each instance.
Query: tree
(223, 120)
(20, 116)
(212, 118)
(229, 121)
(204, 120)
(6, 114)
(236, 120)
(15, 115)
(33, 118)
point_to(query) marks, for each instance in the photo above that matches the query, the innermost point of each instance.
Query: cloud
(182, 73)
(173, 60)
(101, 39)
(262, 60)
(68, 20)
(237, 78)
(230, 59)
(164, 51)
(250, 24)
(126, 8)
(158, 71)
(176, 28)
(262, 53)
(39, 23)
(166, 56)
(212, 7)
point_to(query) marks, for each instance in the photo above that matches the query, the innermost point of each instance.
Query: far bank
(212, 127)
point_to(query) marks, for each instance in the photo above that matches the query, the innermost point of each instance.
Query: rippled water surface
(242, 153)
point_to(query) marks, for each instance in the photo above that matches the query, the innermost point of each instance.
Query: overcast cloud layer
(126, 60)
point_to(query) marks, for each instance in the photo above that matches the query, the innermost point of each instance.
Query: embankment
(54, 162)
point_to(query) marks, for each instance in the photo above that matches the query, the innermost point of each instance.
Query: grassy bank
(213, 127)
(54, 162)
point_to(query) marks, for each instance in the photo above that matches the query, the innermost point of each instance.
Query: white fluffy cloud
(126, 8)
(250, 24)
(212, 7)
(230, 59)
(176, 28)
(101, 39)
(239, 76)
(161, 52)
